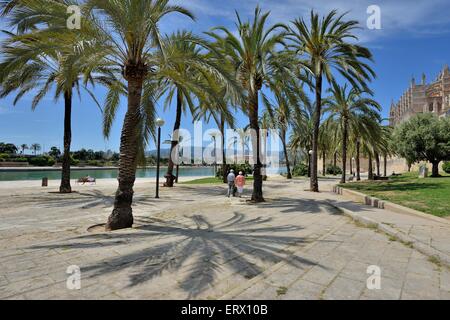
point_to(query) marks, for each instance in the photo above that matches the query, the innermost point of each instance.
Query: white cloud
(417, 18)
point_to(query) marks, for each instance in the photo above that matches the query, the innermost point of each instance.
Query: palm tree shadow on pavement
(194, 249)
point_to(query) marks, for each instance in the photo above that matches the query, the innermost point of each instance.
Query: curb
(383, 204)
(422, 248)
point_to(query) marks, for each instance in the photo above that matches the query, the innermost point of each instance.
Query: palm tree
(323, 46)
(250, 52)
(35, 147)
(218, 108)
(127, 34)
(346, 107)
(188, 67)
(23, 147)
(278, 114)
(302, 131)
(40, 59)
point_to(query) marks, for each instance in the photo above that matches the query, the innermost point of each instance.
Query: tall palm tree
(301, 136)
(279, 110)
(23, 147)
(218, 108)
(187, 69)
(250, 52)
(35, 147)
(127, 34)
(323, 45)
(42, 59)
(346, 107)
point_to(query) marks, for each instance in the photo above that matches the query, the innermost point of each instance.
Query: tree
(23, 147)
(424, 137)
(346, 107)
(218, 108)
(8, 148)
(127, 33)
(54, 152)
(322, 46)
(302, 131)
(44, 55)
(187, 70)
(278, 113)
(250, 51)
(35, 147)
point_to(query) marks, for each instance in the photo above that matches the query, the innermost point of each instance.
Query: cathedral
(423, 97)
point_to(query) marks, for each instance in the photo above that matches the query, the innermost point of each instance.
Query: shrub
(18, 159)
(95, 163)
(245, 168)
(73, 161)
(334, 170)
(4, 157)
(446, 167)
(42, 161)
(300, 169)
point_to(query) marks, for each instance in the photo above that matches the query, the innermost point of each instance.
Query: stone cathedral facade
(422, 98)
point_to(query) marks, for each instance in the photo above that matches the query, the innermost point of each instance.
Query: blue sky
(414, 38)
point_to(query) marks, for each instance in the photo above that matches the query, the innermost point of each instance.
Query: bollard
(45, 182)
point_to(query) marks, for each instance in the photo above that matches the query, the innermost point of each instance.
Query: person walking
(230, 179)
(240, 183)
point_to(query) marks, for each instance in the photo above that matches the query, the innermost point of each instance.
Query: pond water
(98, 173)
(110, 173)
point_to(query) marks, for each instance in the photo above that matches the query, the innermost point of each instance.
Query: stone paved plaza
(196, 243)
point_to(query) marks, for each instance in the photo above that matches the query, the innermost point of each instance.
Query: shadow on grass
(196, 250)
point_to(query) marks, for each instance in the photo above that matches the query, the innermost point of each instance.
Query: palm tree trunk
(65, 173)
(358, 164)
(324, 166)
(377, 160)
(286, 156)
(170, 178)
(224, 160)
(122, 214)
(385, 165)
(350, 163)
(335, 159)
(314, 182)
(370, 167)
(344, 150)
(257, 194)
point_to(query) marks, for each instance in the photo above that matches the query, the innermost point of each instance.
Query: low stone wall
(14, 164)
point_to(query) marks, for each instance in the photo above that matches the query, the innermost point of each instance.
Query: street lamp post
(159, 123)
(213, 136)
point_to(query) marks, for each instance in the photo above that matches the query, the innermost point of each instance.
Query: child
(240, 183)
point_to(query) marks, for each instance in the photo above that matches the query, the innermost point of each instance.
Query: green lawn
(210, 180)
(429, 195)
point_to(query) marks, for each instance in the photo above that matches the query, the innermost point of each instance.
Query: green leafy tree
(8, 148)
(54, 152)
(424, 137)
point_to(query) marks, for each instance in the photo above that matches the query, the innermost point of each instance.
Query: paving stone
(344, 289)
